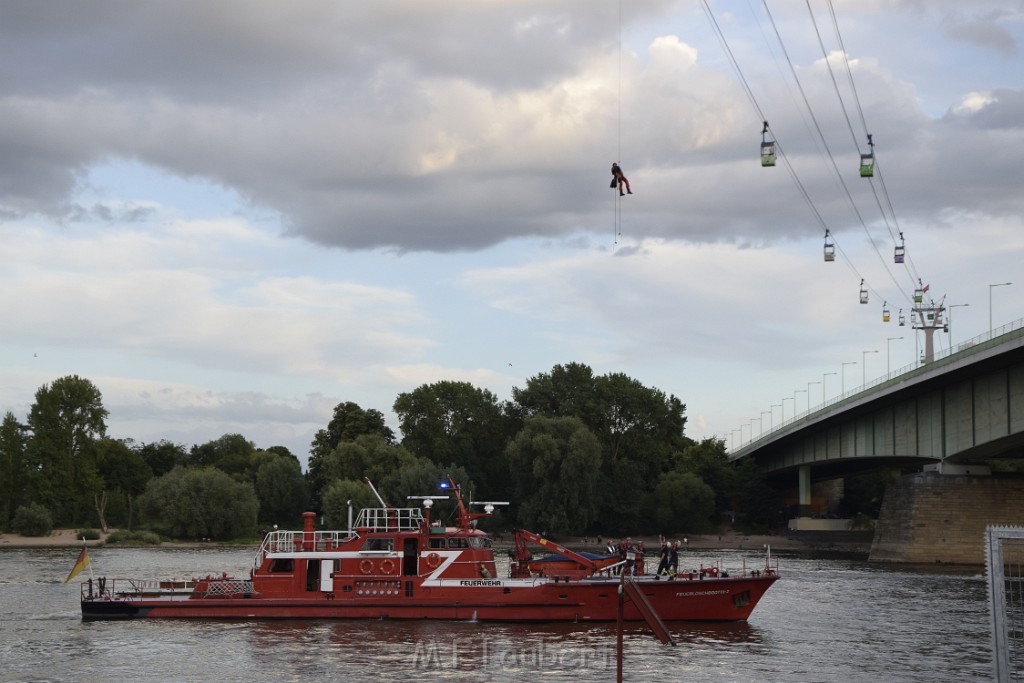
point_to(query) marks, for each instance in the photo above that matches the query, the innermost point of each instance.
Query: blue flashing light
(443, 485)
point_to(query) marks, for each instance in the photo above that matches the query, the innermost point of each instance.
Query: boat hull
(594, 599)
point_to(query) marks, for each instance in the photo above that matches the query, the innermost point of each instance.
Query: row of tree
(571, 451)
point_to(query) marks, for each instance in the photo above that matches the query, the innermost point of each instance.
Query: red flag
(81, 563)
(926, 288)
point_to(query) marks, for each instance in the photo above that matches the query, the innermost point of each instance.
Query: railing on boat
(127, 589)
(371, 519)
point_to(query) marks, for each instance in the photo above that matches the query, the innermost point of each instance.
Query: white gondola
(767, 148)
(830, 248)
(863, 292)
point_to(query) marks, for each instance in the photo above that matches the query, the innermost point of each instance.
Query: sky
(233, 216)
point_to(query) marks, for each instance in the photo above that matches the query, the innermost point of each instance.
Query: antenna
(489, 504)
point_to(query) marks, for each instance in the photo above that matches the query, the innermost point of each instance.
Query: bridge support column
(931, 517)
(805, 490)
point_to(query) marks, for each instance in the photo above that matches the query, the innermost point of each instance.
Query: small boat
(397, 563)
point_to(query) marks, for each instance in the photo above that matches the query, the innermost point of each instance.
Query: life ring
(433, 559)
(366, 566)
(387, 566)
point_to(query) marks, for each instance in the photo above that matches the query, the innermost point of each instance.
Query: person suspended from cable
(619, 178)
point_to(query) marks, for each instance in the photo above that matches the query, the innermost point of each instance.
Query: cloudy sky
(232, 216)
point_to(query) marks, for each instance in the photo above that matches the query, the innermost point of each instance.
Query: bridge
(949, 416)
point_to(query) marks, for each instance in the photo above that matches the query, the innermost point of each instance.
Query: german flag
(81, 563)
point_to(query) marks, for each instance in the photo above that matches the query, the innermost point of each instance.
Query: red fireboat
(395, 563)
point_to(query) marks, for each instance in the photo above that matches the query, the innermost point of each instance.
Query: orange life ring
(387, 566)
(433, 559)
(366, 566)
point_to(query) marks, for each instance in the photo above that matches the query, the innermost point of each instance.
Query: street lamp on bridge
(842, 382)
(887, 365)
(769, 414)
(999, 284)
(864, 367)
(795, 392)
(949, 323)
(823, 376)
(809, 395)
(782, 405)
(782, 418)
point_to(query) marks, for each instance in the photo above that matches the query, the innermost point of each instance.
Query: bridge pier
(805, 491)
(931, 517)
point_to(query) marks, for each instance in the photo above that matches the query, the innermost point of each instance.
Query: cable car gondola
(767, 148)
(900, 251)
(863, 292)
(885, 312)
(867, 161)
(830, 248)
(903, 319)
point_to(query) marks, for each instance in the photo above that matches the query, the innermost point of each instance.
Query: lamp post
(769, 414)
(823, 376)
(809, 395)
(795, 392)
(949, 324)
(887, 366)
(990, 287)
(760, 428)
(782, 403)
(864, 367)
(842, 383)
(781, 416)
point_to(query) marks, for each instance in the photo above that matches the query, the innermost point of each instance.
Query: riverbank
(58, 538)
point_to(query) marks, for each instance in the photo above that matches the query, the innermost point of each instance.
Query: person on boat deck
(673, 560)
(663, 557)
(625, 547)
(619, 178)
(638, 565)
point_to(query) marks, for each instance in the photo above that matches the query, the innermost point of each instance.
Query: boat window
(437, 543)
(379, 544)
(282, 565)
(458, 542)
(479, 542)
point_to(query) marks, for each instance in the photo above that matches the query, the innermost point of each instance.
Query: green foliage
(65, 421)
(640, 430)
(455, 422)
(230, 453)
(32, 520)
(682, 502)
(348, 423)
(13, 467)
(134, 538)
(194, 503)
(88, 534)
(555, 464)
(336, 501)
(281, 490)
(163, 456)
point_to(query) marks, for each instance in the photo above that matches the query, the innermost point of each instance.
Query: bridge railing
(942, 357)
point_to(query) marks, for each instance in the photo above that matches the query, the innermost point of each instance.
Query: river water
(825, 620)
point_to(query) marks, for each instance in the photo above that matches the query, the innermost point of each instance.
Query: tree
(347, 424)
(124, 473)
(163, 456)
(337, 496)
(683, 502)
(65, 421)
(709, 461)
(200, 503)
(368, 456)
(230, 453)
(640, 430)
(13, 467)
(556, 464)
(281, 489)
(455, 422)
